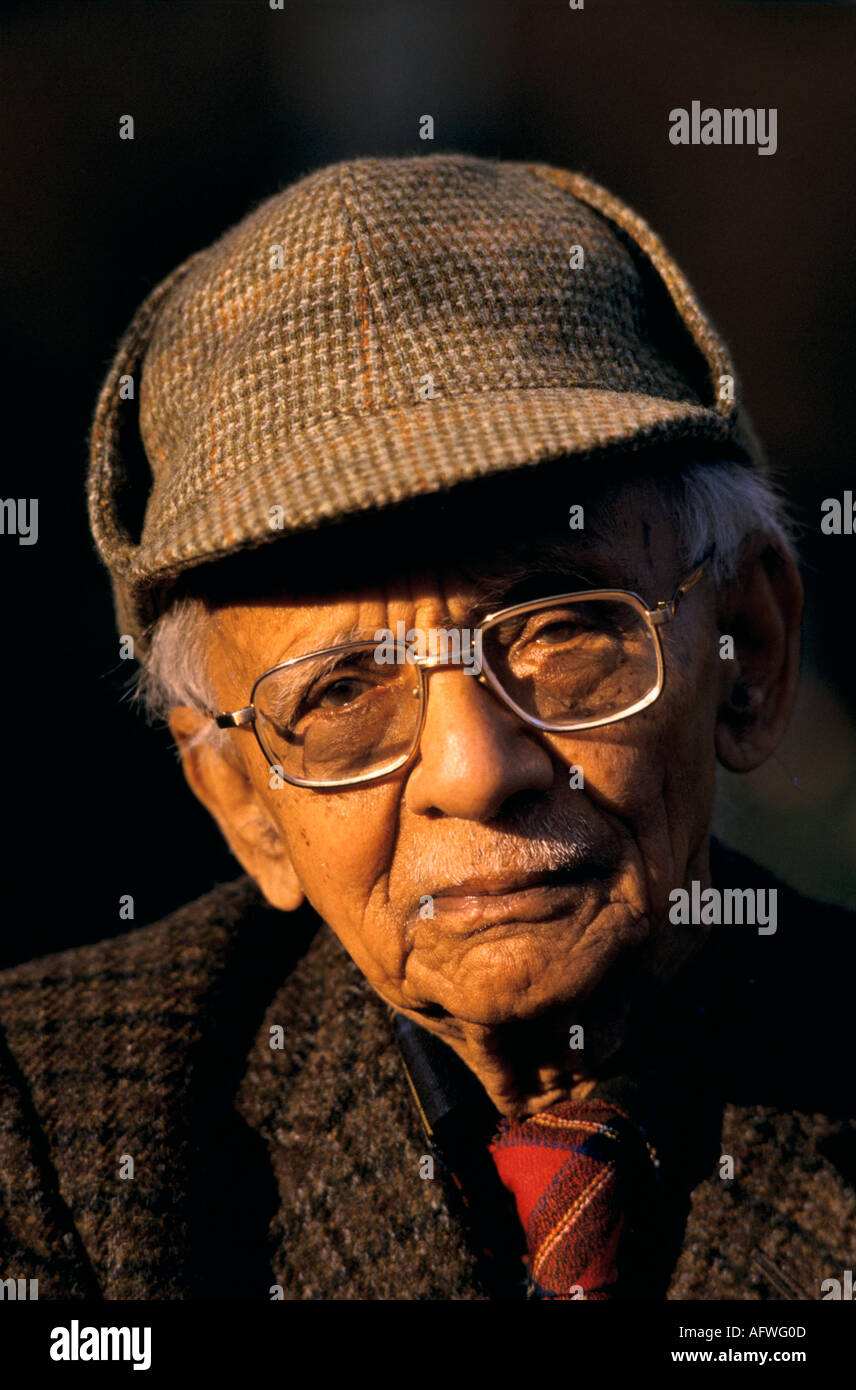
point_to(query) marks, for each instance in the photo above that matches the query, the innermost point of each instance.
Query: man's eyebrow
(552, 570)
(284, 696)
(309, 646)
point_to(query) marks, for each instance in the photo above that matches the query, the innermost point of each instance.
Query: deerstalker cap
(381, 329)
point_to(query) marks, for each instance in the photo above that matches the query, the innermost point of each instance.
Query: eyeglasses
(354, 713)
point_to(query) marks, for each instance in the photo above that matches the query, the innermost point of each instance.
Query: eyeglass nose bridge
(483, 676)
(448, 660)
(432, 663)
(427, 664)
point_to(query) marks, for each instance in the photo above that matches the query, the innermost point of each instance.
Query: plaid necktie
(583, 1176)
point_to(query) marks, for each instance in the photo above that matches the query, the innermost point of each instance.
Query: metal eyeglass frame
(664, 612)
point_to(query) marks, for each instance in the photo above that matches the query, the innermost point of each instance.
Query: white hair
(711, 503)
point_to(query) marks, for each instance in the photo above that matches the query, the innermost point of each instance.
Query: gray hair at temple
(709, 503)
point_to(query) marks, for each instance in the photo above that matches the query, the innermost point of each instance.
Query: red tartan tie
(568, 1171)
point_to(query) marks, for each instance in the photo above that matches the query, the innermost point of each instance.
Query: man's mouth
(478, 904)
(495, 884)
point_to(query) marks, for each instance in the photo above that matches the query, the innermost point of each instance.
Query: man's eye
(339, 692)
(556, 633)
(554, 629)
(339, 688)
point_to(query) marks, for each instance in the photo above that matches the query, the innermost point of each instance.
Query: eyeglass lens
(342, 716)
(587, 660)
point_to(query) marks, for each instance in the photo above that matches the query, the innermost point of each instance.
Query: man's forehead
(484, 564)
(456, 585)
(475, 556)
(483, 574)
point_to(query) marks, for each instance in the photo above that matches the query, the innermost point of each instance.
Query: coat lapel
(356, 1219)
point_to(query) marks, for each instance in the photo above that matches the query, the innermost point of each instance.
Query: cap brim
(342, 467)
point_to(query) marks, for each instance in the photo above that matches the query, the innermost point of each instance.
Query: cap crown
(386, 327)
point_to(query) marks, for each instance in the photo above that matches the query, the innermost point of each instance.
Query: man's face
(550, 902)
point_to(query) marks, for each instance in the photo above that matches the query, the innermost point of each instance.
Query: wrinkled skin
(502, 976)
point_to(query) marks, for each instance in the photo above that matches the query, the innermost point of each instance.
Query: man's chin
(516, 971)
(527, 1066)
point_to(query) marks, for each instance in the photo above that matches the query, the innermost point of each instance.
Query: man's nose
(474, 752)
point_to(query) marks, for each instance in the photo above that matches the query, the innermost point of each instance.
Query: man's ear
(761, 611)
(220, 782)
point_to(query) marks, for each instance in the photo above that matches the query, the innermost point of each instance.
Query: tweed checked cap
(381, 329)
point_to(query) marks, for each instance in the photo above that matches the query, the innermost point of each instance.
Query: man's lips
(480, 903)
(496, 884)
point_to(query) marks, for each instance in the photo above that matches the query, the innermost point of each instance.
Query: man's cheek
(663, 770)
(622, 780)
(340, 842)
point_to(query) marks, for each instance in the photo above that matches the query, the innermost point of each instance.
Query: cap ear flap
(709, 370)
(120, 477)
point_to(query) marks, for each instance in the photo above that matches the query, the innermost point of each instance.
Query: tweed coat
(299, 1166)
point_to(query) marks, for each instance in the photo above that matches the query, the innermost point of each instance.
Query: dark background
(231, 101)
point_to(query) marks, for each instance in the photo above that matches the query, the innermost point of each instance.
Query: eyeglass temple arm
(667, 608)
(233, 720)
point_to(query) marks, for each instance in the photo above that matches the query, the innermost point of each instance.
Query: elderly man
(449, 555)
